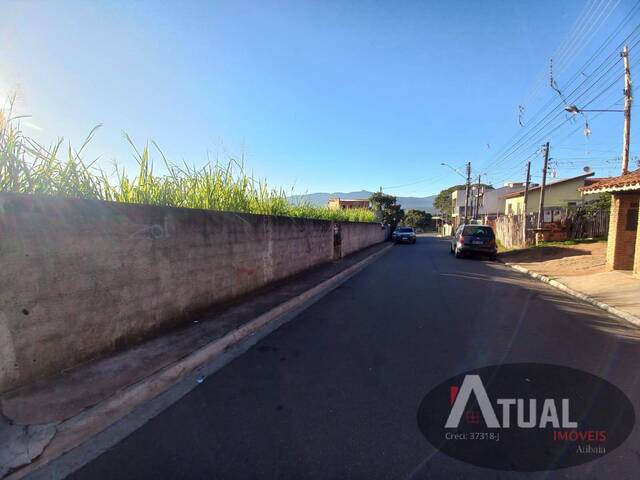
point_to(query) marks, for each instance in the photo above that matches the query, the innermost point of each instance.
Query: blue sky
(318, 96)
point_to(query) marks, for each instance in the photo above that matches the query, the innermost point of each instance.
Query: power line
(518, 145)
(525, 140)
(540, 81)
(607, 41)
(597, 52)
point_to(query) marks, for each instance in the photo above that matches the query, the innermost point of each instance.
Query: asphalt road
(334, 393)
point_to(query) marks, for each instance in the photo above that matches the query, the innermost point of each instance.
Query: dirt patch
(564, 260)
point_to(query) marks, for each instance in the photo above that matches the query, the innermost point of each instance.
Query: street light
(574, 110)
(467, 182)
(454, 169)
(628, 100)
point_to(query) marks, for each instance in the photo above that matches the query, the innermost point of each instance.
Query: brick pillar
(621, 244)
(636, 263)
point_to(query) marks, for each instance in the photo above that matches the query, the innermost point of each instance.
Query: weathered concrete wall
(79, 278)
(356, 236)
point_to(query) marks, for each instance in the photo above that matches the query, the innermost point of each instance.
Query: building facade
(457, 206)
(623, 243)
(345, 203)
(558, 196)
(490, 201)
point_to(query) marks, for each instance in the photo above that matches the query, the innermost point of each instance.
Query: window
(481, 232)
(632, 217)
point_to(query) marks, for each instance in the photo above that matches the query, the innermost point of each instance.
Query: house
(623, 244)
(490, 203)
(558, 196)
(344, 203)
(457, 205)
(491, 200)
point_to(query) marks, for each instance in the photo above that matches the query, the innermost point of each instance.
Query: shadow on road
(542, 254)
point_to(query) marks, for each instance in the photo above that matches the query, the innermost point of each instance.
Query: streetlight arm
(602, 110)
(454, 169)
(574, 109)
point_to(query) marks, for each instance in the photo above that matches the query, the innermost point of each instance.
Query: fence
(510, 233)
(580, 226)
(509, 230)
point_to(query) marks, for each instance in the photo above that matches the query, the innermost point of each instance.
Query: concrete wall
(356, 236)
(79, 278)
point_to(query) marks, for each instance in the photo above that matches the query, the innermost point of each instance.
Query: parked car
(404, 235)
(468, 239)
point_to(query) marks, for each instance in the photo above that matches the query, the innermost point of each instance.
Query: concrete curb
(77, 430)
(574, 293)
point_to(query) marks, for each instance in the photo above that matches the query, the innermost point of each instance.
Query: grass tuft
(28, 167)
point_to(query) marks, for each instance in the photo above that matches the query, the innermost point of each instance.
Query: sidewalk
(581, 268)
(44, 420)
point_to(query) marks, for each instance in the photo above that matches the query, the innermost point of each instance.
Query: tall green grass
(28, 167)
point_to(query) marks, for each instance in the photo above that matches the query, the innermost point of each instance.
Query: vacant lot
(558, 260)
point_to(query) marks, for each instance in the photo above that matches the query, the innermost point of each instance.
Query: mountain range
(407, 203)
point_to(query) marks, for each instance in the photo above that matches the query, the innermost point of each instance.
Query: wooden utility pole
(524, 205)
(544, 182)
(467, 191)
(628, 99)
(477, 209)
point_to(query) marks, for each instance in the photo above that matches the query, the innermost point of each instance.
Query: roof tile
(630, 181)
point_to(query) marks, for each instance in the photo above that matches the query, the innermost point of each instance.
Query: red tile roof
(630, 181)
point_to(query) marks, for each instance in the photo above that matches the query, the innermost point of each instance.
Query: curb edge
(574, 293)
(76, 431)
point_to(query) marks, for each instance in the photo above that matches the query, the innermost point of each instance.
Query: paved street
(334, 394)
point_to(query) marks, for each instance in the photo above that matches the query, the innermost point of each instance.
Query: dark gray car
(468, 239)
(404, 235)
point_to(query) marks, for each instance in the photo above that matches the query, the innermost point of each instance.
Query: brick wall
(621, 246)
(636, 263)
(79, 278)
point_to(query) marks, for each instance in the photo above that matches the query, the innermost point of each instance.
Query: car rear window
(404, 230)
(485, 232)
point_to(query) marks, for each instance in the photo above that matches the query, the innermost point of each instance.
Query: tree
(391, 211)
(592, 206)
(393, 215)
(417, 219)
(381, 201)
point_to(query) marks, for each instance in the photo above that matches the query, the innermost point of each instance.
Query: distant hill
(408, 203)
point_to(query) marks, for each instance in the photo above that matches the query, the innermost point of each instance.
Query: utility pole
(524, 210)
(628, 99)
(544, 182)
(468, 190)
(477, 209)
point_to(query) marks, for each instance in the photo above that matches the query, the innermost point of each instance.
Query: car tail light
(461, 239)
